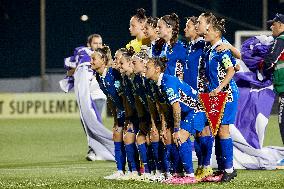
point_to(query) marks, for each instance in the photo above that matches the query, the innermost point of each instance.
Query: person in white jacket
(98, 96)
(90, 99)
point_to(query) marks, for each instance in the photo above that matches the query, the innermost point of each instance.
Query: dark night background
(20, 26)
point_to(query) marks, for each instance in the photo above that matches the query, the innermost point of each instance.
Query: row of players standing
(153, 94)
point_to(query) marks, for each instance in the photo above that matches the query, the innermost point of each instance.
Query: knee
(140, 138)
(117, 134)
(168, 139)
(154, 135)
(184, 135)
(206, 131)
(128, 138)
(224, 131)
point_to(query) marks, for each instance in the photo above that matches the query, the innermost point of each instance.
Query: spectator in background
(95, 41)
(274, 64)
(98, 96)
(91, 100)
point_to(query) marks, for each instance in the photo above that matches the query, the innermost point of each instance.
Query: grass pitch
(50, 153)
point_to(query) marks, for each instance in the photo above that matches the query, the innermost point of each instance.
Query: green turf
(272, 134)
(50, 154)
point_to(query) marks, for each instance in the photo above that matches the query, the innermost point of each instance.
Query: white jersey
(96, 92)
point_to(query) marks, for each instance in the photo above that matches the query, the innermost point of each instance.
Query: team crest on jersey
(171, 93)
(117, 84)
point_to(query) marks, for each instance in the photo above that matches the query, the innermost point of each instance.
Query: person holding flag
(220, 71)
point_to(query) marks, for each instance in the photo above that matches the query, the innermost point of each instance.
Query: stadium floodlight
(241, 36)
(84, 17)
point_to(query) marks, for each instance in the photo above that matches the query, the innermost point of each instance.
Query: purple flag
(256, 92)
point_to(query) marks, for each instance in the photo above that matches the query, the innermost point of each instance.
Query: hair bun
(140, 14)
(140, 11)
(174, 16)
(105, 49)
(221, 24)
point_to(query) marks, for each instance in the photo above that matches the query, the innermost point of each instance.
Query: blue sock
(120, 156)
(206, 143)
(176, 161)
(143, 156)
(130, 153)
(123, 156)
(156, 155)
(137, 160)
(185, 151)
(161, 155)
(152, 165)
(227, 152)
(166, 158)
(129, 164)
(198, 151)
(218, 153)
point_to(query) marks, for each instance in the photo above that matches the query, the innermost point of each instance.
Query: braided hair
(172, 21)
(152, 21)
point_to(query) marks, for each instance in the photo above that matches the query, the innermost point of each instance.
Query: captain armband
(227, 61)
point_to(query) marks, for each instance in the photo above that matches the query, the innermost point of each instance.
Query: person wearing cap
(274, 64)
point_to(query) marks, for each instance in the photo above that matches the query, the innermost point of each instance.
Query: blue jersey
(140, 88)
(204, 72)
(176, 90)
(193, 68)
(176, 56)
(216, 68)
(128, 91)
(152, 91)
(110, 84)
